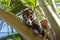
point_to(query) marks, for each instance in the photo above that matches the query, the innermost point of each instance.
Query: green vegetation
(57, 1)
(58, 9)
(16, 6)
(17, 37)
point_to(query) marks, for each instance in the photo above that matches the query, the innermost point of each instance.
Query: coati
(42, 28)
(32, 21)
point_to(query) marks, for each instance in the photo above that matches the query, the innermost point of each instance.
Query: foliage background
(16, 6)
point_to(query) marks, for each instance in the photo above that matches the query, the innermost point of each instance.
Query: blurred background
(6, 30)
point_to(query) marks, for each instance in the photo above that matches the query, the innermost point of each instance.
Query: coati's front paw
(35, 32)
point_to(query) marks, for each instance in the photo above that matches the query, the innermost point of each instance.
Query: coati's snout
(28, 16)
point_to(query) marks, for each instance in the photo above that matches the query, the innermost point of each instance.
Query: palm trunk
(51, 15)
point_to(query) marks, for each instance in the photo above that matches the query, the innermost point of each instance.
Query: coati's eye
(25, 19)
(31, 17)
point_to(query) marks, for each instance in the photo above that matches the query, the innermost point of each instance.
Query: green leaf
(18, 6)
(57, 1)
(30, 3)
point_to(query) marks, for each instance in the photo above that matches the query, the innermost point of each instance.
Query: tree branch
(16, 23)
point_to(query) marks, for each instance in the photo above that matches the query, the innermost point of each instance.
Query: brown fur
(48, 30)
(34, 23)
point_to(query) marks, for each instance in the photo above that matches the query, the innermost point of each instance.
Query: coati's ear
(28, 10)
(32, 11)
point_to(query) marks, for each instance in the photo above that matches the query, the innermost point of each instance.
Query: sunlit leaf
(57, 1)
(18, 6)
(31, 3)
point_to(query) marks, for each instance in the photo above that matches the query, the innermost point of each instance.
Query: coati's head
(28, 16)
